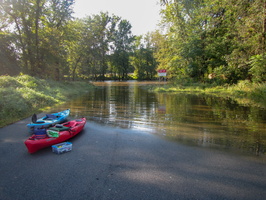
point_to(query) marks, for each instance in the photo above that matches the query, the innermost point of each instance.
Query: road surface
(109, 163)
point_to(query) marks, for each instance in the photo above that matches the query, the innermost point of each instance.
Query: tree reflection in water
(200, 120)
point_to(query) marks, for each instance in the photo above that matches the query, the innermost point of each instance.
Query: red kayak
(55, 135)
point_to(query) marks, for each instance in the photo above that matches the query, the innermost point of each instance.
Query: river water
(190, 119)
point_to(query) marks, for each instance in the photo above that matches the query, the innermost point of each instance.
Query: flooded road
(197, 120)
(142, 145)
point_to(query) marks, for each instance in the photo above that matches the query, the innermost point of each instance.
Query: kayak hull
(47, 121)
(75, 126)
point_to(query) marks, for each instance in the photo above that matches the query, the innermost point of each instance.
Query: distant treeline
(43, 39)
(210, 41)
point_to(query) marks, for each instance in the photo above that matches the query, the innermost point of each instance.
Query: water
(198, 120)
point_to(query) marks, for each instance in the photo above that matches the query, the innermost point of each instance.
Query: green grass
(245, 92)
(23, 95)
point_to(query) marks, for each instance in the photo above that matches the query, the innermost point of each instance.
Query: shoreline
(244, 93)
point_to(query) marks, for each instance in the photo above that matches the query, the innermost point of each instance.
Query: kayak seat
(62, 128)
(39, 122)
(50, 117)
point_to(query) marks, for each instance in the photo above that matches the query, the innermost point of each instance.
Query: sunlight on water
(205, 121)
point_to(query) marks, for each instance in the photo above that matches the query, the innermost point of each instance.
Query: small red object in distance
(161, 70)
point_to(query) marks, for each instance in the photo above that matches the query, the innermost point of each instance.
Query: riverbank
(23, 95)
(245, 92)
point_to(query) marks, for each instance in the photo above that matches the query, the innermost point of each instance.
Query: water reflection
(190, 119)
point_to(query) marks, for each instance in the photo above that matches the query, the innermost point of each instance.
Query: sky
(143, 15)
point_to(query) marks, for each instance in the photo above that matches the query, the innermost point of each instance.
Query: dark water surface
(200, 120)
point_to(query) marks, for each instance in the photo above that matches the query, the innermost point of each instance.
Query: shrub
(23, 95)
(8, 81)
(258, 69)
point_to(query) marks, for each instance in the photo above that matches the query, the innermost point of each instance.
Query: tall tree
(30, 21)
(143, 59)
(122, 45)
(97, 35)
(56, 17)
(74, 45)
(214, 36)
(19, 14)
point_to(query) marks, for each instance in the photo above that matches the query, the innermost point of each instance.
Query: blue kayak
(48, 120)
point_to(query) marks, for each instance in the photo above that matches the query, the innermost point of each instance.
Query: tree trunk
(38, 10)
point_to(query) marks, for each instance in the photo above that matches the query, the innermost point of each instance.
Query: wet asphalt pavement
(109, 163)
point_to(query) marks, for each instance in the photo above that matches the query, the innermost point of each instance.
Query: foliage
(97, 33)
(24, 94)
(38, 28)
(41, 38)
(122, 46)
(245, 92)
(214, 37)
(144, 64)
(9, 63)
(258, 69)
(222, 39)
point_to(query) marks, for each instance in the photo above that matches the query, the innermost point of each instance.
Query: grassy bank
(245, 92)
(23, 95)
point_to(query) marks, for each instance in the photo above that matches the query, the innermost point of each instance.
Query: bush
(245, 92)
(8, 81)
(23, 95)
(258, 69)
(12, 104)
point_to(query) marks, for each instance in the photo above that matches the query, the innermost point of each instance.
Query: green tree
(57, 16)
(143, 59)
(19, 14)
(74, 47)
(213, 36)
(37, 27)
(121, 48)
(98, 33)
(248, 29)
(258, 69)
(9, 62)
